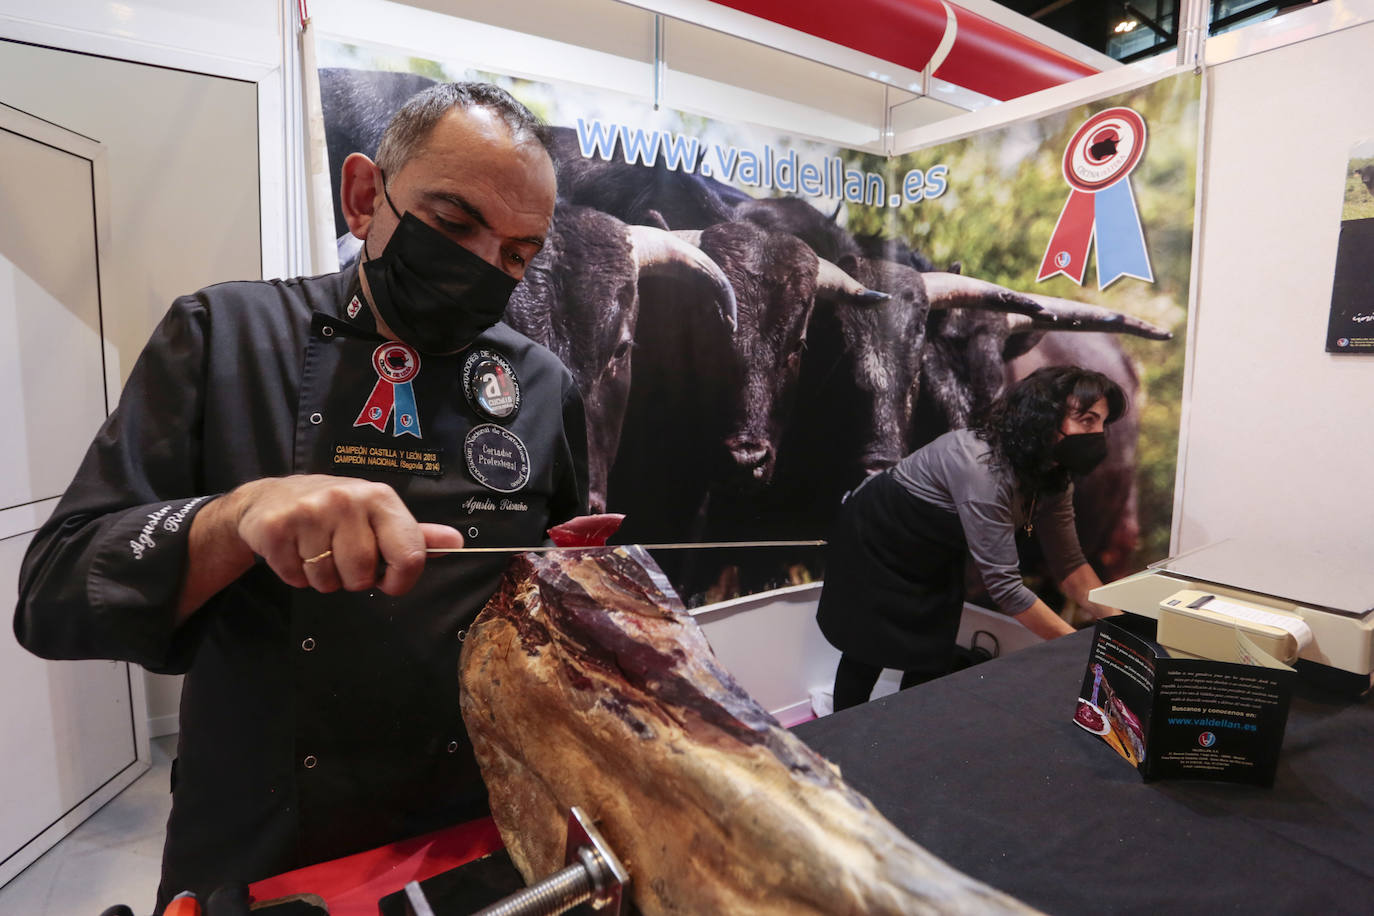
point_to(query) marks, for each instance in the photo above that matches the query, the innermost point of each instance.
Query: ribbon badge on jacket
(1097, 165)
(397, 365)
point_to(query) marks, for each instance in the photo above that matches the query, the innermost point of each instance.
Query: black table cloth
(986, 769)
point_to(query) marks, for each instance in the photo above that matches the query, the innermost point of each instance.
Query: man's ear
(360, 188)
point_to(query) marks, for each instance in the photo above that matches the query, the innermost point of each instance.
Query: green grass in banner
(1359, 203)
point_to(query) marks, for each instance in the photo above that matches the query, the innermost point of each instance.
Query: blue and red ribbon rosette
(1097, 164)
(396, 365)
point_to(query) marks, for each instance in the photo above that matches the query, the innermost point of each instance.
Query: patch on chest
(490, 384)
(496, 458)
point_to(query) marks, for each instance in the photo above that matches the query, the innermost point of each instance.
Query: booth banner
(755, 377)
(1093, 204)
(1351, 325)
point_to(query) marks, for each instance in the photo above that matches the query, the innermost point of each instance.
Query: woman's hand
(1078, 583)
(1043, 622)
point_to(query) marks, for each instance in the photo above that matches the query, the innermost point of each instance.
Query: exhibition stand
(1252, 425)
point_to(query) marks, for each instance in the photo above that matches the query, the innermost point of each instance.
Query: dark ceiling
(1087, 22)
(1132, 29)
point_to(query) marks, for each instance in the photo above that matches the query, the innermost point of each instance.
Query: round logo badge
(395, 362)
(496, 458)
(1206, 739)
(491, 385)
(1104, 149)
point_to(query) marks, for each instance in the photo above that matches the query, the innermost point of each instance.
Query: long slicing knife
(683, 546)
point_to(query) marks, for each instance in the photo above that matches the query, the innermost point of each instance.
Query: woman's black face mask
(430, 291)
(1081, 452)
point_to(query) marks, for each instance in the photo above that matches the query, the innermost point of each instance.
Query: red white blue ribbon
(1097, 164)
(396, 365)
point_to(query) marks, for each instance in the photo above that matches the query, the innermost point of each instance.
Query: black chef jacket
(312, 726)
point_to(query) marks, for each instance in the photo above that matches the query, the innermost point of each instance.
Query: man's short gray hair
(416, 118)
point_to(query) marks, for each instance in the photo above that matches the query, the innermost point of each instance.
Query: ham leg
(586, 683)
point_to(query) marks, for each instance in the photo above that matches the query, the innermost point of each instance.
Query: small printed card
(1350, 328)
(1185, 718)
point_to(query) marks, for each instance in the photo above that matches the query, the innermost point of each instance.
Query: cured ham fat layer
(586, 683)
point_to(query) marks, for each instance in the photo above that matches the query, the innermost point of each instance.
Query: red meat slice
(586, 530)
(1091, 718)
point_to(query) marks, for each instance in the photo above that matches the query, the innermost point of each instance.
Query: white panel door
(72, 734)
(50, 341)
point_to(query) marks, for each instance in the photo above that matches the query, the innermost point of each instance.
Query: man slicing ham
(256, 513)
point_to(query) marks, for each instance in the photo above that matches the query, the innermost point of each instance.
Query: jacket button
(327, 330)
(317, 418)
(309, 761)
(308, 644)
(472, 532)
(462, 635)
(453, 747)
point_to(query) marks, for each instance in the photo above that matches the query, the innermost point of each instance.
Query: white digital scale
(1293, 603)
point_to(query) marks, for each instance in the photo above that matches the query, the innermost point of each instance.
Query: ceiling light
(1124, 26)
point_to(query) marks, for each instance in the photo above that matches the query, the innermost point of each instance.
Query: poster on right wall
(1351, 327)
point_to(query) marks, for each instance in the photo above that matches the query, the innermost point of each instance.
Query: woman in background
(894, 583)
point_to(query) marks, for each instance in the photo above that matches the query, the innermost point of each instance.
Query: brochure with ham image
(1118, 691)
(1183, 718)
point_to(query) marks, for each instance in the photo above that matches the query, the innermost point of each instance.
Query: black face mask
(433, 293)
(1081, 452)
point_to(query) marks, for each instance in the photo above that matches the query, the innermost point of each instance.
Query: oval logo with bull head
(396, 362)
(1105, 149)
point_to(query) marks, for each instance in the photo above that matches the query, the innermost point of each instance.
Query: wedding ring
(318, 557)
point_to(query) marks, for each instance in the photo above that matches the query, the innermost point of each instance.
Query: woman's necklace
(1030, 513)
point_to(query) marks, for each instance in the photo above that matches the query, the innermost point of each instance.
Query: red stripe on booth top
(987, 57)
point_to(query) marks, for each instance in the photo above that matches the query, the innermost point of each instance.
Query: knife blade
(439, 551)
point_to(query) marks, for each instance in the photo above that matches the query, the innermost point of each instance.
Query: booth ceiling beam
(957, 45)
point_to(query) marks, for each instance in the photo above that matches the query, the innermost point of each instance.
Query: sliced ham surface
(586, 530)
(586, 683)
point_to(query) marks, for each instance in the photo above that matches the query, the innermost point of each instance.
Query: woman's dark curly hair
(1020, 425)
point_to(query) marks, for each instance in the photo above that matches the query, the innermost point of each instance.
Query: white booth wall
(1278, 438)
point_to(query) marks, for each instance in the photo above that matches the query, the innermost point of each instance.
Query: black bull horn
(660, 253)
(1079, 317)
(830, 280)
(946, 291)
